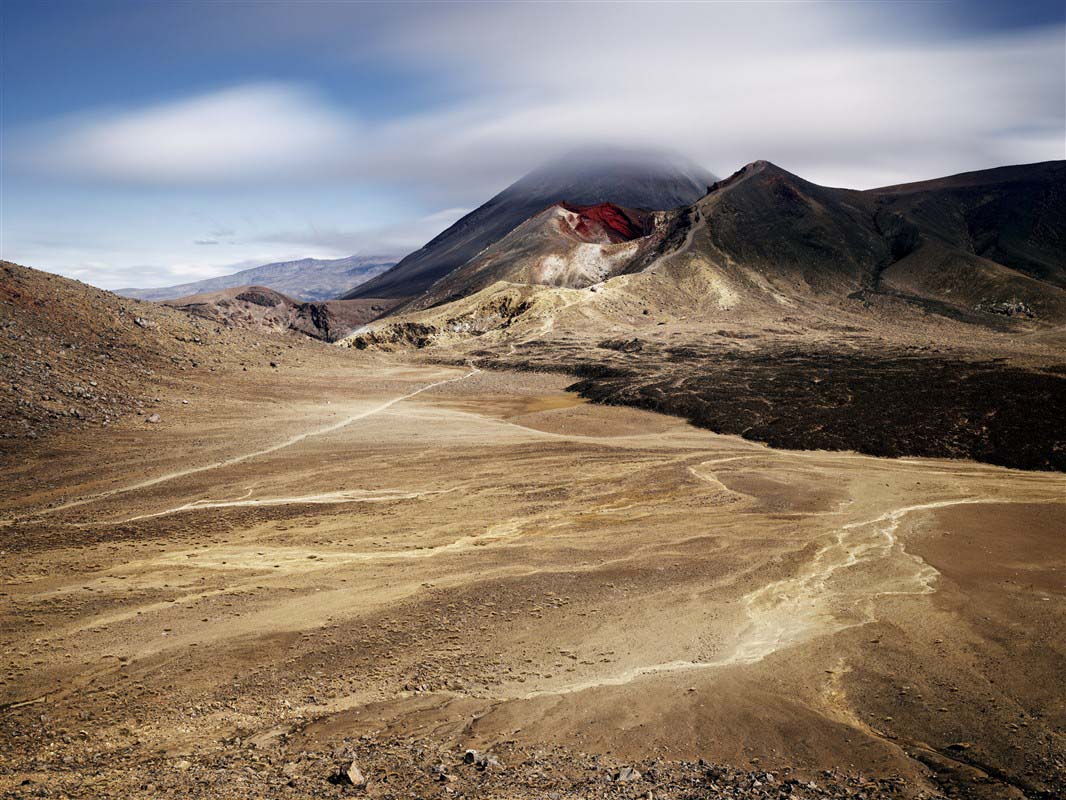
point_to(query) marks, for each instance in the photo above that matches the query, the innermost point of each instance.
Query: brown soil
(372, 559)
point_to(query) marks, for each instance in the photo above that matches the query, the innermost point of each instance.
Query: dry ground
(400, 561)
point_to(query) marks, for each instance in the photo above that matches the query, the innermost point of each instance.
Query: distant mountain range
(306, 279)
(920, 319)
(649, 180)
(987, 242)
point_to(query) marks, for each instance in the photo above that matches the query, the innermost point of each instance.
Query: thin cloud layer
(252, 133)
(816, 90)
(396, 239)
(110, 265)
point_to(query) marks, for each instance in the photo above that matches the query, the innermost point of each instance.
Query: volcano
(653, 181)
(565, 245)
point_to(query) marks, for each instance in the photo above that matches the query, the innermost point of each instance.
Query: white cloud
(820, 89)
(397, 238)
(841, 94)
(246, 133)
(129, 261)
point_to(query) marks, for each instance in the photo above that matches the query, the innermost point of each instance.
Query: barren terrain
(377, 559)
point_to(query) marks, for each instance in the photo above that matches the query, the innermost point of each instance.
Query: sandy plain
(400, 561)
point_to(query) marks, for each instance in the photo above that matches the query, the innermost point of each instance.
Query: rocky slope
(1013, 216)
(261, 308)
(306, 279)
(645, 180)
(564, 245)
(73, 356)
(970, 242)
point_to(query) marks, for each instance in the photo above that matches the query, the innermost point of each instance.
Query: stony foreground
(387, 565)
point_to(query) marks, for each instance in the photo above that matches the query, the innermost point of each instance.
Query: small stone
(154, 418)
(480, 760)
(627, 775)
(349, 776)
(182, 765)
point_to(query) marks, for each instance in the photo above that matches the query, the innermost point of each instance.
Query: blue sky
(151, 143)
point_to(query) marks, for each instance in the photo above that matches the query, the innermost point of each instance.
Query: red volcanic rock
(608, 220)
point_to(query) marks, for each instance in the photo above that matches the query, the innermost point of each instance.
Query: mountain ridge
(305, 279)
(764, 234)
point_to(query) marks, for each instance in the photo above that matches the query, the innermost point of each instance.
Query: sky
(152, 143)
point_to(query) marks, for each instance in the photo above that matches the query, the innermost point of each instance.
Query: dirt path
(256, 453)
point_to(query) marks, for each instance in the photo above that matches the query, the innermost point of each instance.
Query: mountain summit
(639, 179)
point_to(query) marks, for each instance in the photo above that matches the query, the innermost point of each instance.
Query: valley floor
(399, 562)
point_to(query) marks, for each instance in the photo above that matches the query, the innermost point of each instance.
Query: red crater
(610, 222)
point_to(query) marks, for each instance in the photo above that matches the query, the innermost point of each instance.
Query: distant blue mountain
(306, 279)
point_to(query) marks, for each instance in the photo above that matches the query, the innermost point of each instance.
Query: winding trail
(325, 498)
(806, 605)
(803, 606)
(255, 453)
(699, 224)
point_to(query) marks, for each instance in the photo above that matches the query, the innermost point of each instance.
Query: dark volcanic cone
(654, 181)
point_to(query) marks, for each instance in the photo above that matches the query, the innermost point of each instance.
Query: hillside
(1013, 216)
(957, 242)
(565, 245)
(644, 180)
(261, 308)
(306, 279)
(73, 356)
